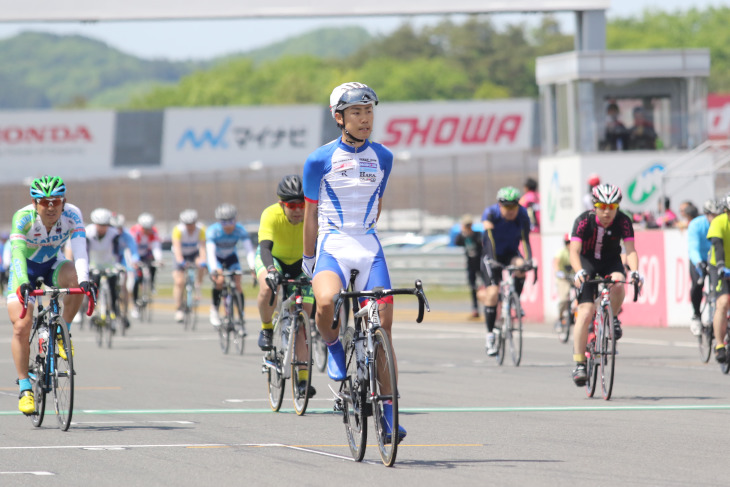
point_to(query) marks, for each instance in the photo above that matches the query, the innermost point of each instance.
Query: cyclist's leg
(112, 278)
(64, 275)
(178, 283)
(519, 277)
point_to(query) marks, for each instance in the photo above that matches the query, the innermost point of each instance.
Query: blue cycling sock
(25, 385)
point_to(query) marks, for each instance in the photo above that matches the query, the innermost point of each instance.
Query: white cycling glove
(580, 276)
(308, 265)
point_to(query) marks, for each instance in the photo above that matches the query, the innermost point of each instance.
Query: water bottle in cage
(43, 338)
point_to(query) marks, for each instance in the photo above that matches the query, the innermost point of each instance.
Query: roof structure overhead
(95, 10)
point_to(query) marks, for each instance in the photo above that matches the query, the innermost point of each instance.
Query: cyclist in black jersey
(595, 249)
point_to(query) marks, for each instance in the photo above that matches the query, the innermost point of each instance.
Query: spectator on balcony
(616, 135)
(642, 135)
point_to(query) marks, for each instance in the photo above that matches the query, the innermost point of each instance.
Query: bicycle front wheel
(591, 368)
(274, 359)
(37, 374)
(386, 390)
(563, 327)
(515, 335)
(239, 331)
(354, 393)
(705, 340)
(607, 345)
(319, 349)
(62, 375)
(301, 325)
(501, 337)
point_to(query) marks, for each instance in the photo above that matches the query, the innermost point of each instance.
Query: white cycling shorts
(341, 253)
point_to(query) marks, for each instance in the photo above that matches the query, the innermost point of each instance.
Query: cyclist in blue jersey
(221, 240)
(128, 257)
(699, 246)
(506, 224)
(344, 182)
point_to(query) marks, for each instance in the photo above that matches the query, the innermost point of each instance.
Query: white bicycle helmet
(226, 211)
(349, 94)
(189, 216)
(146, 221)
(607, 193)
(117, 220)
(101, 216)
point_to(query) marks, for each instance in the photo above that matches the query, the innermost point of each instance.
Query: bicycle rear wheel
(515, 336)
(274, 359)
(36, 372)
(563, 327)
(607, 343)
(353, 390)
(62, 375)
(386, 390)
(301, 325)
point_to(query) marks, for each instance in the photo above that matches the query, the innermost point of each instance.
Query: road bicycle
(510, 330)
(190, 297)
(144, 292)
(601, 346)
(104, 320)
(371, 374)
(233, 326)
(47, 370)
(283, 362)
(567, 320)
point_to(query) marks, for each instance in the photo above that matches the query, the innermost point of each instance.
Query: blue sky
(180, 40)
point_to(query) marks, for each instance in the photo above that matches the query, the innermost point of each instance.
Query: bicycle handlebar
(379, 293)
(514, 268)
(301, 281)
(609, 280)
(56, 292)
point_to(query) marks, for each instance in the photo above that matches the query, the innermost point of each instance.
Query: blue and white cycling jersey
(347, 183)
(127, 254)
(697, 242)
(220, 245)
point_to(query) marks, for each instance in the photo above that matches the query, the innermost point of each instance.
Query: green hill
(42, 70)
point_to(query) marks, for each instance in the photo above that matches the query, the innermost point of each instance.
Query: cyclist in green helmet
(38, 232)
(506, 224)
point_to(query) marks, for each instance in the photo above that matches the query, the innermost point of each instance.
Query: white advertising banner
(642, 176)
(79, 144)
(236, 137)
(561, 193)
(455, 127)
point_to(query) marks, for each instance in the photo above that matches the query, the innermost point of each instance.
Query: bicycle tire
(501, 337)
(108, 320)
(515, 334)
(725, 367)
(36, 368)
(274, 376)
(239, 324)
(591, 369)
(302, 325)
(705, 340)
(384, 360)
(564, 327)
(62, 376)
(122, 304)
(608, 354)
(354, 392)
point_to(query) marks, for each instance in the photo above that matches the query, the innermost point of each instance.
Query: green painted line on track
(678, 407)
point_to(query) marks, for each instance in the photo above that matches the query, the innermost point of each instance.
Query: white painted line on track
(37, 473)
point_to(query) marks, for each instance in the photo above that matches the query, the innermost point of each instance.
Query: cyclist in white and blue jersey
(699, 246)
(344, 182)
(221, 240)
(128, 256)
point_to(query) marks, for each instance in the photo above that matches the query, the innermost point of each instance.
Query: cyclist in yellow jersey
(280, 253)
(719, 236)
(188, 245)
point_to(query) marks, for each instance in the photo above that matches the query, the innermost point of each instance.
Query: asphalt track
(166, 407)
